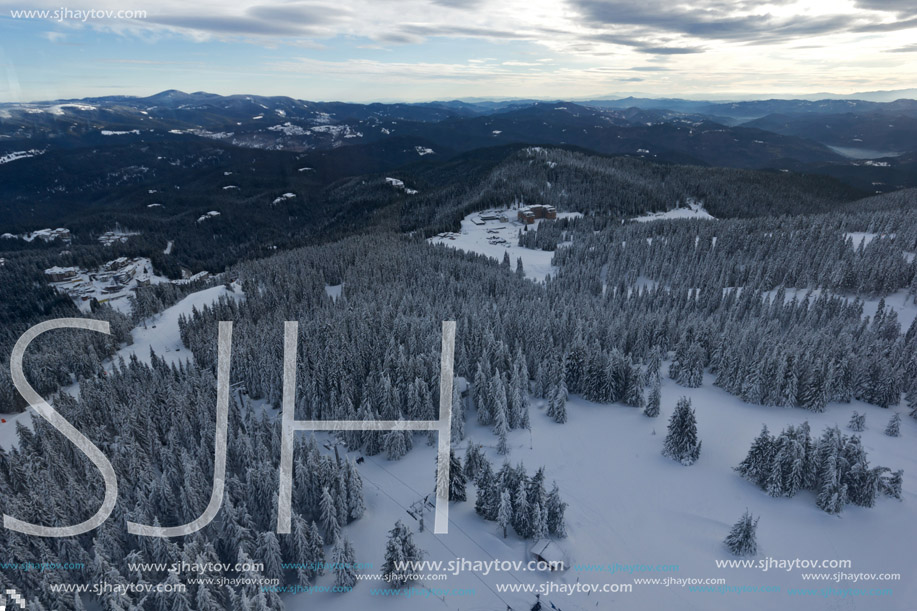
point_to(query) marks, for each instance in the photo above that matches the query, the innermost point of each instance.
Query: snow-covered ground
(16, 155)
(46, 235)
(693, 210)
(630, 505)
(159, 332)
(334, 290)
(493, 238)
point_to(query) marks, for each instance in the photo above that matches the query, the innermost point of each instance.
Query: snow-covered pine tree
(831, 491)
(556, 508)
(890, 485)
(474, 461)
(633, 391)
(355, 504)
(681, 442)
(479, 394)
(268, 551)
(343, 558)
(395, 444)
(316, 550)
(329, 516)
(521, 523)
(557, 408)
(458, 414)
(505, 512)
(894, 426)
(653, 402)
(539, 521)
(393, 567)
(501, 427)
(742, 540)
(457, 479)
(857, 422)
(487, 502)
(400, 548)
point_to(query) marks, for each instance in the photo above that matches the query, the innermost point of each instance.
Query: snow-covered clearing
(283, 198)
(16, 155)
(493, 238)
(334, 290)
(160, 331)
(693, 210)
(630, 505)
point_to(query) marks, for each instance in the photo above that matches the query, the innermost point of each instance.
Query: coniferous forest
(777, 302)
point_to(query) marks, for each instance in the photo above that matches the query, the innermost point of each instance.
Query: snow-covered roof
(547, 550)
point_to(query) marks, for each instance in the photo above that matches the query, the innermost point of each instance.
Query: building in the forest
(528, 214)
(61, 274)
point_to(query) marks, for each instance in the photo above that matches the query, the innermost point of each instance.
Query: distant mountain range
(58, 154)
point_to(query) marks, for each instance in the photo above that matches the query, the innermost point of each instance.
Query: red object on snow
(3, 420)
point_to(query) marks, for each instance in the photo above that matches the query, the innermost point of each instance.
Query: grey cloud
(459, 4)
(230, 25)
(669, 50)
(905, 49)
(644, 46)
(712, 20)
(891, 26)
(299, 13)
(901, 7)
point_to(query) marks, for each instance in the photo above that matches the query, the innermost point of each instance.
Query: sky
(416, 50)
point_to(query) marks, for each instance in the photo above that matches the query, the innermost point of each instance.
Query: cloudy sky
(361, 50)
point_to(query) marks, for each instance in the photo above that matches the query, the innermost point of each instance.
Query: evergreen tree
(316, 550)
(329, 516)
(894, 426)
(652, 404)
(558, 404)
(505, 511)
(681, 442)
(268, 552)
(741, 539)
(400, 548)
(890, 485)
(396, 444)
(501, 427)
(757, 464)
(857, 422)
(487, 502)
(521, 523)
(474, 461)
(831, 491)
(343, 558)
(458, 415)
(556, 508)
(456, 479)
